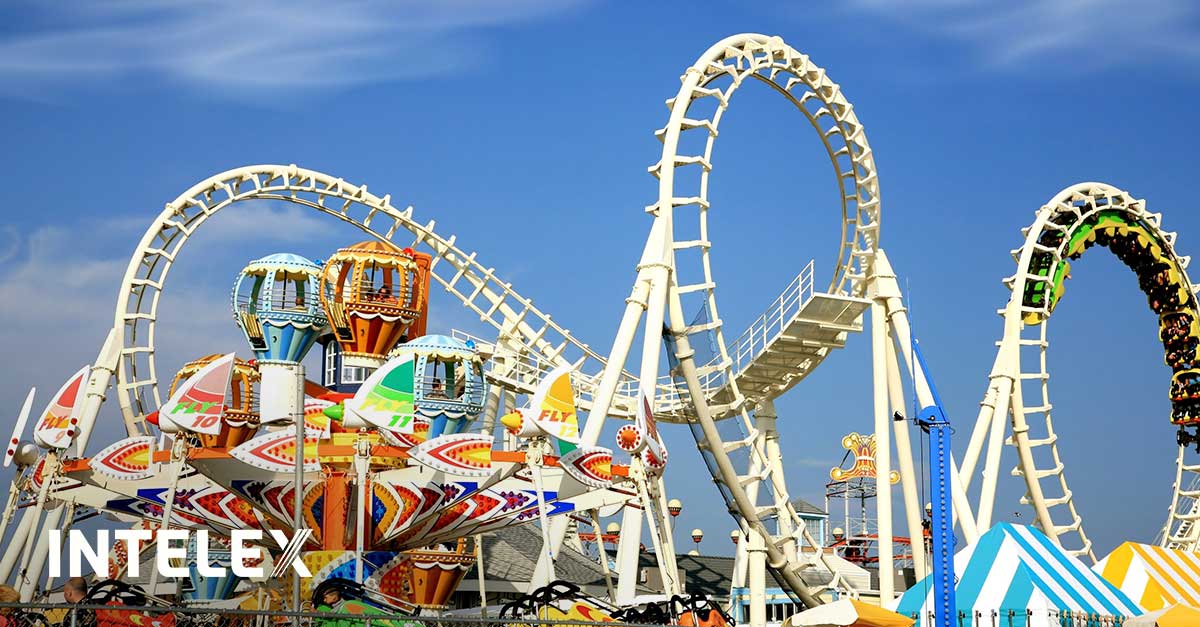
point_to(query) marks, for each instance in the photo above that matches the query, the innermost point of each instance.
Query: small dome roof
(292, 264)
(442, 346)
(374, 250)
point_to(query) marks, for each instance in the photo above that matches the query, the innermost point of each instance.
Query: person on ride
(74, 592)
(330, 599)
(438, 390)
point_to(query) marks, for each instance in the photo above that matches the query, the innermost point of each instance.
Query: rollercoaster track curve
(533, 338)
(688, 140)
(536, 337)
(1074, 220)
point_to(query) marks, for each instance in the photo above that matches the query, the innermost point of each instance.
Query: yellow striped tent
(1152, 576)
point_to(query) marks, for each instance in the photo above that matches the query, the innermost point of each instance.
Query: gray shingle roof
(702, 574)
(511, 554)
(804, 507)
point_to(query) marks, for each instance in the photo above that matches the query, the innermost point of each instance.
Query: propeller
(14, 443)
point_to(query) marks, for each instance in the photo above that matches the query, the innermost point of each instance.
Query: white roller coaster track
(1019, 386)
(543, 342)
(688, 140)
(540, 342)
(1181, 531)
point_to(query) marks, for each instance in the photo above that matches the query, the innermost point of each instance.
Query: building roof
(702, 574)
(511, 553)
(804, 507)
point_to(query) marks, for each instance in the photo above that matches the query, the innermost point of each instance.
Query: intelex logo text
(170, 545)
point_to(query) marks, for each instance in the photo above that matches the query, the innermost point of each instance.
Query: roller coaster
(738, 382)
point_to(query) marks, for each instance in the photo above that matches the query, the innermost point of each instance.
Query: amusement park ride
(396, 478)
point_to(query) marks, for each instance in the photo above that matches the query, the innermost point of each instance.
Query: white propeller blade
(20, 426)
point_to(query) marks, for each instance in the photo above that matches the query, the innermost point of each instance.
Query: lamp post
(697, 536)
(674, 506)
(612, 529)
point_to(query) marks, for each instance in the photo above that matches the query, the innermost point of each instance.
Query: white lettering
(291, 552)
(202, 562)
(171, 558)
(133, 539)
(240, 554)
(166, 552)
(55, 553)
(79, 548)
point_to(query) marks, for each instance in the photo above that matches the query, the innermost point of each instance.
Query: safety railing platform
(782, 346)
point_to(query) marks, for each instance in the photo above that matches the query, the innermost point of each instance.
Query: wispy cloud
(10, 242)
(240, 49)
(58, 288)
(1084, 34)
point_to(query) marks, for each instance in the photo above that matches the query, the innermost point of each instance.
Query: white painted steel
(883, 452)
(696, 112)
(1017, 374)
(456, 270)
(1180, 530)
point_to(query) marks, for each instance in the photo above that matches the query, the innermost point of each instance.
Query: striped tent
(1016, 571)
(1153, 576)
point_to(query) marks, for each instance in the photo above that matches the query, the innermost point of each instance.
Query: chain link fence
(81, 615)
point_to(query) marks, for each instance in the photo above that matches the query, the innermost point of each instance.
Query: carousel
(393, 481)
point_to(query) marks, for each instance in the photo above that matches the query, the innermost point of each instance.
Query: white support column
(741, 563)
(764, 420)
(27, 577)
(656, 271)
(602, 555)
(995, 447)
(757, 553)
(1004, 379)
(663, 531)
(667, 570)
(492, 406)
(573, 536)
(8, 559)
(889, 290)
(979, 434)
(628, 548)
(908, 472)
(635, 305)
(883, 453)
(738, 578)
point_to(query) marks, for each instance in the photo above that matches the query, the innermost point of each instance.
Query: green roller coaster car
(1036, 291)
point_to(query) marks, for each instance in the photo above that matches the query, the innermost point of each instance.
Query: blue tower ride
(278, 307)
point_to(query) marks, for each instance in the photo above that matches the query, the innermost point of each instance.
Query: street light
(697, 536)
(674, 506)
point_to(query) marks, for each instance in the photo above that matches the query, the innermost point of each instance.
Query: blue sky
(526, 130)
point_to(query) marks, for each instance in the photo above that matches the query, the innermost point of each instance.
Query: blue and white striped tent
(1014, 567)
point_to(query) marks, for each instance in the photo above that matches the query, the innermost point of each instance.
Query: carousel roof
(437, 343)
(294, 265)
(439, 346)
(375, 249)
